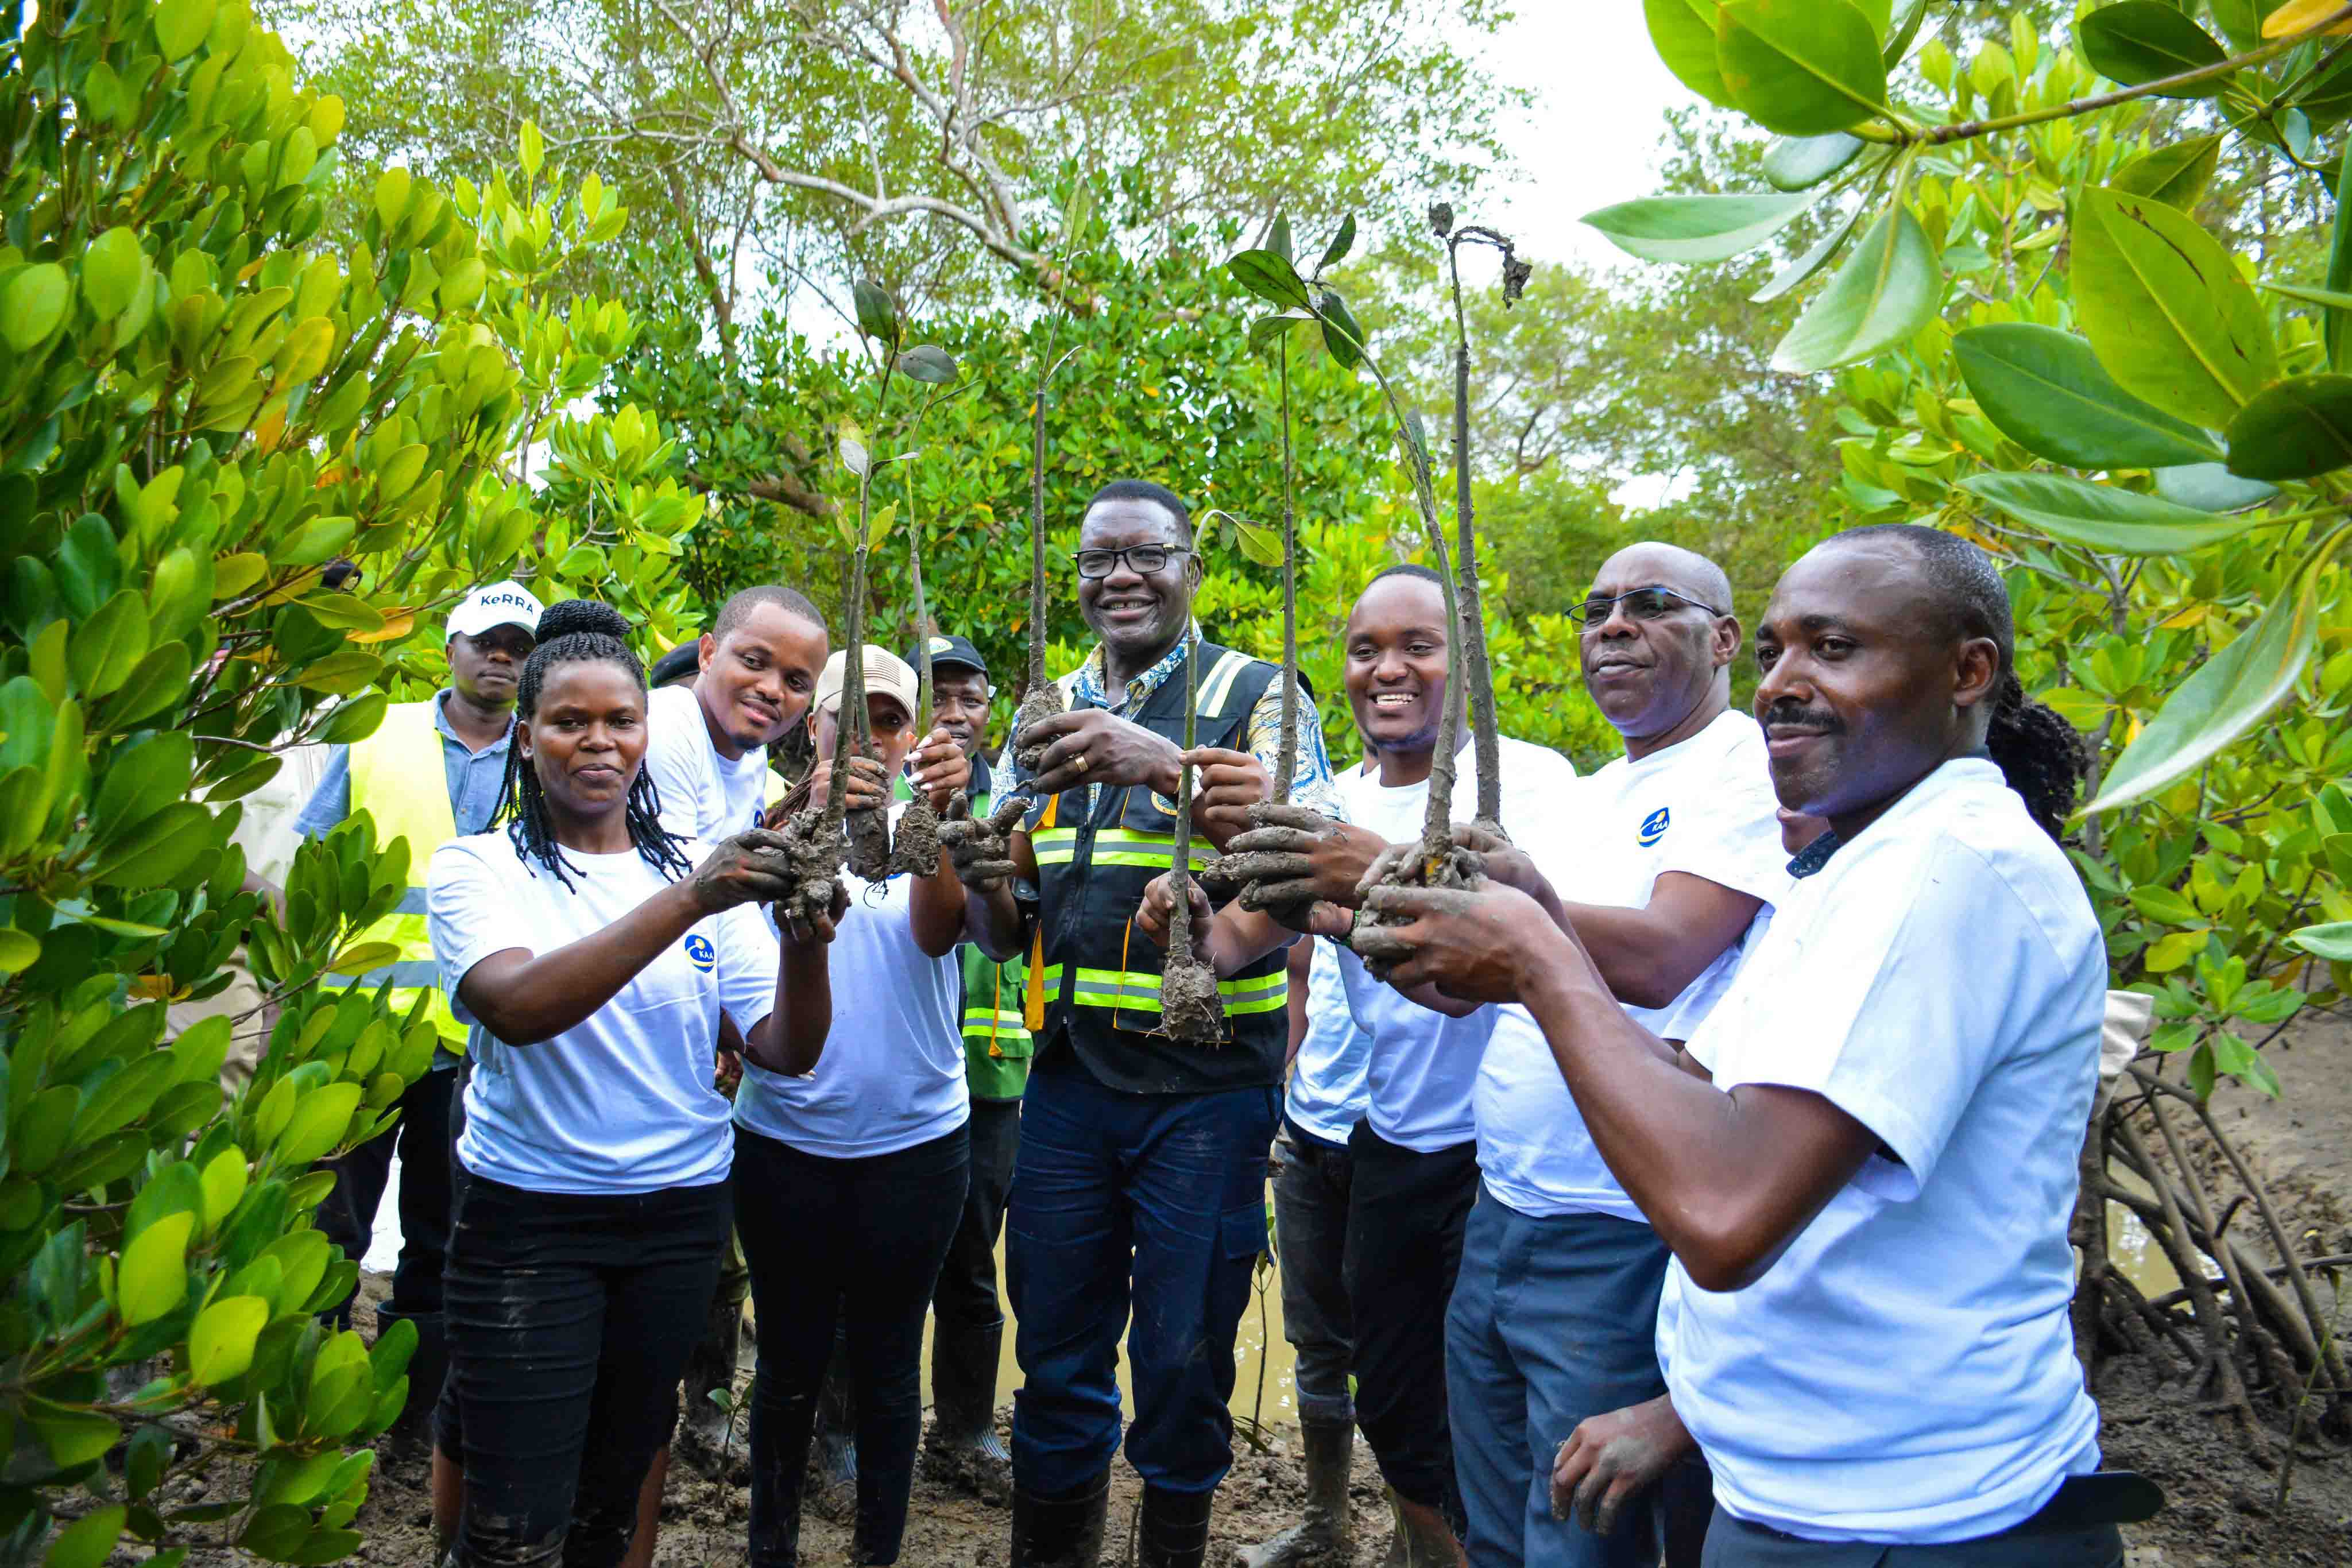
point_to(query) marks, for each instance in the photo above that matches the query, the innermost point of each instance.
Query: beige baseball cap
(886, 674)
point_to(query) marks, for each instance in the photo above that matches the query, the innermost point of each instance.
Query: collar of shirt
(441, 723)
(1086, 690)
(1960, 769)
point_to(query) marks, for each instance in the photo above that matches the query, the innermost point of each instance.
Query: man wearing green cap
(962, 1448)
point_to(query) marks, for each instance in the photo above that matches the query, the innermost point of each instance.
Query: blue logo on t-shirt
(1653, 827)
(698, 948)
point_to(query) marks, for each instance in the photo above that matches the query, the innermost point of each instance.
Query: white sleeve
(470, 915)
(1731, 836)
(674, 761)
(1898, 1020)
(748, 962)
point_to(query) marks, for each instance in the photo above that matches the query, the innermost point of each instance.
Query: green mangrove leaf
(2178, 174)
(1886, 291)
(2142, 41)
(2101, 517)
(1800, 162)
(2166, 311)
(2046, 390)
(1696, 229)
(1803, 67)
(2296, 429)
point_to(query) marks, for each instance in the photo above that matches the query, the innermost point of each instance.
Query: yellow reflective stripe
(1220, 682)
(992, 1018)
(1059, 847)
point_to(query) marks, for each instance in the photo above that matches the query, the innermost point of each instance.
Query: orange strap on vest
(1032, 998)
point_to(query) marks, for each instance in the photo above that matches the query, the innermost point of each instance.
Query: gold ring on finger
(1079, 762)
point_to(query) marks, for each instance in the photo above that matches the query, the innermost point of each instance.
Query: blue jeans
(1553, 1320)
(1157, 1200)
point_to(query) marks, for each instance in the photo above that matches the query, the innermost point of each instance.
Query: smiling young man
(759, 665)
(1865, 1161)
(1672, 852)
(1141, 1181)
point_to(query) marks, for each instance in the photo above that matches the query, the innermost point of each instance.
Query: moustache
(1820, 720)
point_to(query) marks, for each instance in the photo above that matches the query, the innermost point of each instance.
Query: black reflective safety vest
(1094, 979)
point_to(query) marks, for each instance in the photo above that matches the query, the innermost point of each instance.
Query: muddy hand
(1470, 943)
(939, 769)
(1226, 785)
(982, 856)
(1158, 915)
(1612, 1458)
(869, 786)
(751, 868)
(1293, 854)
(799, 933)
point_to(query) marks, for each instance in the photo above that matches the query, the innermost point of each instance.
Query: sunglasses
(1641, 604)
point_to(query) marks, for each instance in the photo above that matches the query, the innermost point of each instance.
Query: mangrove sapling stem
(1286, 754)
(1473, 622)
(1042, 699)
(1190, 1008)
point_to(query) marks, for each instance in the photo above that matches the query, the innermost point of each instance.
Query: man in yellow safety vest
(463, 728)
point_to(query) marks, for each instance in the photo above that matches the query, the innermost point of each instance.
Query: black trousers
(1406, 1211)
(966, 1295)
(420, 1137)
(569, 1318)
(1735, 1544)
(832, 1241)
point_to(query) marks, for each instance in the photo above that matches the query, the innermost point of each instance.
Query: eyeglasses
(1642, 603)
(1144, 559)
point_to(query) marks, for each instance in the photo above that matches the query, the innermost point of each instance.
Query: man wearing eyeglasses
(1664, 858)
(1140, 1178)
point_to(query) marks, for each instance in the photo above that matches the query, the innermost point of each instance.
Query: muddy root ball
(915, 847)
(812, 868)
(1039, 702)
(1451, 866)
(870, 843)
(1189, 1009)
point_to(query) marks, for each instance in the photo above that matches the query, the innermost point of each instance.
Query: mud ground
(2222, 1512)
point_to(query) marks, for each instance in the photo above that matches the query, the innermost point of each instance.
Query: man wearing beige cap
(849, 1182)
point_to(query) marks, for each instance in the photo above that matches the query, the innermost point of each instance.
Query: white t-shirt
(1704, 807)
(892, 1075)
(1327, 1091)
(1423, 1064)
(1906, 1370)
(623, 1103)
(703, 795)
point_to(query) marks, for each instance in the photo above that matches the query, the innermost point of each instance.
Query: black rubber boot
(962, 1448)
(707, 1438)
(411, 1433)
(1174, 1530)
(1062, 1532)
(1320, 1536)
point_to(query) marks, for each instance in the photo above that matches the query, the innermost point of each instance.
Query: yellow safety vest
(398, 777)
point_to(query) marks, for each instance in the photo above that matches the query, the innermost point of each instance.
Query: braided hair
(2040, 756)
(571, 631)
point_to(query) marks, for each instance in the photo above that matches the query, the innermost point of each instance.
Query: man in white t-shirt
(758, 670)
(1864, 1161)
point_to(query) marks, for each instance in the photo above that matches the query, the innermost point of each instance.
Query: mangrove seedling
(917, 846)
(1189, 1009)
(1041, 699)
(1437, 861)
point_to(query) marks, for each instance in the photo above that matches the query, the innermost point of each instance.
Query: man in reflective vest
(458, 738)
(1141, 1179)
(967, 1316)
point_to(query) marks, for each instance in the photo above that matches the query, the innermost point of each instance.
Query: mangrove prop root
(1190, 1008)
(870, 843)
(1040, 702)
(915, 848)
(814, 850)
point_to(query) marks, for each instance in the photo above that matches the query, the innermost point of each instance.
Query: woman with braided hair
(593, 955)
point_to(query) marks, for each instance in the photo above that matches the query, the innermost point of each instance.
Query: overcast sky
(1591, 136)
